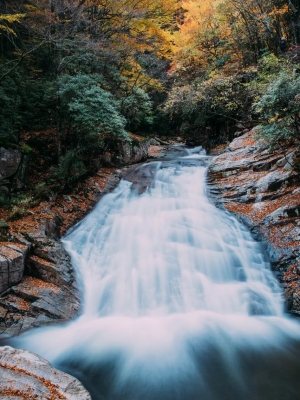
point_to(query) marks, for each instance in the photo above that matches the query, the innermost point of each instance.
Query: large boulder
(273, 181)
(13, 169)
(12, 263)
(26, 375)
(134, 152)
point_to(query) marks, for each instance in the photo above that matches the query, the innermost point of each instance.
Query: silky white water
(178, 299)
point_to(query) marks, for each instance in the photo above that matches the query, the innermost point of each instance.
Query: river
(179, 302)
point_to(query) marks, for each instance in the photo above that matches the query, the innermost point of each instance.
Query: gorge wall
(261, 188)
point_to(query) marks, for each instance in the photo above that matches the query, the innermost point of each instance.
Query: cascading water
(179, 302)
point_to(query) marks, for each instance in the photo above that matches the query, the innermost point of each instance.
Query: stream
(179, 302)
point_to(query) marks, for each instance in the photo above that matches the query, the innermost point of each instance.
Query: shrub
(279, 109)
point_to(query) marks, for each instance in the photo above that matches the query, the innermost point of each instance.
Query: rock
(13, 168)
(289, 162)
(280, 212)
(162, 140)
(51, 289)
(142, 177)
(12, 264)
(3, 224)
(154, 142)
(232, 167)
(33, 303)
(273, 181)
(255, 185)
(10, 160)
(20, 178)
(48, 271)
(4, 192)
(281, 163)
(262, 166)
(131, 153)
(49, 260)
(26, 375)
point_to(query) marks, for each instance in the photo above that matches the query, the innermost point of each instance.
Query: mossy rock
(3, 224)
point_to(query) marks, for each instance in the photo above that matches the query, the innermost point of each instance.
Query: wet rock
(142, 177)
(26, 375)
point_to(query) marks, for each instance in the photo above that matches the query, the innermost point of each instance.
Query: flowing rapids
(179, 301)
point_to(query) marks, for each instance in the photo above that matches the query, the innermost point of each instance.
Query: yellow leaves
(279, 11)
(135, 76)
(9, 19)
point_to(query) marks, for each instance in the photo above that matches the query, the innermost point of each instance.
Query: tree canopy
(86, 73)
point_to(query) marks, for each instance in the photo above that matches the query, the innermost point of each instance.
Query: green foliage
(279, 108)
(92, 111)
(210, 104)
(21, 203)
(69, 170)
(10, 119)
(137, 109)
(42, 191)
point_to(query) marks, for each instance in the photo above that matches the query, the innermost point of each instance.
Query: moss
(3, 224)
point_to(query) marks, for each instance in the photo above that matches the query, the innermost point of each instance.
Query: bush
(214, 105)
(69, 170)
(137, 109)
(92, 112)
(279, 109)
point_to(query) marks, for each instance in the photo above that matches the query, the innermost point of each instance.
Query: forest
(79, 78)
(150, 199)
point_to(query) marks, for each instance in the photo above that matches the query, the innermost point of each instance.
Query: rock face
(12, 262)
(259, 188)
(47, 292)
(28, 376)
(13, 170)
(135, 152)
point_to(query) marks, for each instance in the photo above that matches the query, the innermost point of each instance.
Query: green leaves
(93, 112)
(279, 108)
(137, 108)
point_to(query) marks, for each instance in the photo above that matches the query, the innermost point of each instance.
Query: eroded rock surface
(48, 291)
(262, 190)
(25, 375)
(12, 263)
(134, 152)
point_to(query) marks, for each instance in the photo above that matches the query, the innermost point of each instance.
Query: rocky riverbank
(261, 188)
(37, 281)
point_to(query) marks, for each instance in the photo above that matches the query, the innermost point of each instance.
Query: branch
(293, 7)
(21, 59)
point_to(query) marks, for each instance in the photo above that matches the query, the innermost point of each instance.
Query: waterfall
(179, 302)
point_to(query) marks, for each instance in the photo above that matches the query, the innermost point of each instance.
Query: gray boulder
(12, 263)
(273, 181)
(26, 375)
(13, 169)
(131, 153)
